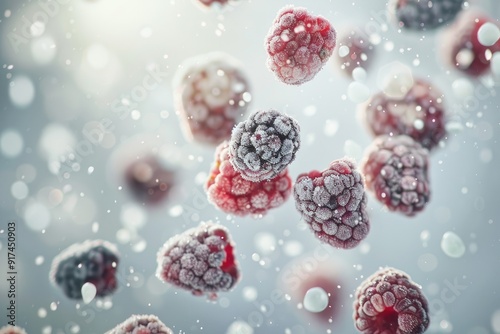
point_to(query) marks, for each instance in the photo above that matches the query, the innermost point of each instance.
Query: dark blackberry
(141, 324)
(333, 203)
(424, 14)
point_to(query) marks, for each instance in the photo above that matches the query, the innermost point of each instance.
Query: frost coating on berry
(211, 93)
(424, 14)
(92, 261)
(461, 47)
(264, 145)
(141, 324)
(200, 260)
(396, 171)
(233, 194)
(12, 330)
(390, 302)
(419, 114)
(298, 45)
(353, 50)
(333, 203)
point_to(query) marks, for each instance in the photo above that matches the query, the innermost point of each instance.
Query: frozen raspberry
(461, 46)
(419, 114)
(424, 14)
(200, 260)
(211, 93)
(232, 194)
(12, 330)
(93, 261)
(298, 45)
(148, 180)
(396, 171)
(354, 50)
(333, 203)
(141, 324)
(264, 145)
(390, 302)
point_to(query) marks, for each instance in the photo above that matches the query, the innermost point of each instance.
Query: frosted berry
(419, 114)
(92, 261)
(354, 50)
(231, 193)
(149, 181)
(298, 44)
(424, 14)
(333, 203)
(12, 330)
(141, 324)
(390, 302)
(264, 145)
(396, 171)
(461, 46)
(211, 94)
(200, 260)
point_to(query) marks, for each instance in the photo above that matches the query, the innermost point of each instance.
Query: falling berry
(354, 50)
(298, 45)
(92, 261)
(141, 324)
(390, 302)
(12, 330)
(264, 145)
(419, 114)
(233, 194)
(211, 93)
(333, 203)
(200, 260)
(396, 171)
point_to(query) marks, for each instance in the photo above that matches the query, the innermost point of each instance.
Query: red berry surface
(141, 324)
(396, 171)
(92, 261)
(12, 330)
(264, 145)
(201, 260)
(353, 50)
(233, 194)
(420, 114)
(461, 46)
(211, 94)
(389, 302)
(148, 180)
(333, 203)
(298, 44)
(215, 3)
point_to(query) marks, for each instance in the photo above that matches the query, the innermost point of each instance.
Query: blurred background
(70, 68)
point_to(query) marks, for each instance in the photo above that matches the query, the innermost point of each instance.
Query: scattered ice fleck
(249, 293)
(239, 327)
(310, 110)
(90, 170)
(293, 248)
(359, 74)
(462, 88)
(21, 91)
(265, 242)
(176, 211)
(315, 300)
(133, 216)
(53, 306)
(427, 262)
(495, 321)
(39, 260)
(358, 92)
(19, 190)
(488, 34)
(11, 143)
(88, 292)
(331, 127)
(37, 216)
(42, 313)
(452, 245)
(495, 64)
(353, 150)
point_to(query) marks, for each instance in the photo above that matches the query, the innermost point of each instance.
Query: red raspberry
(390, 302)
(333, 203)
(148, 180)
(141, 324)
(396, 171)
(12, 330)
(93, 261)
(200, 260)
(354, 50)
(462, 48)
(419, 114)
(211, 94)
(232, 194)
(298, 45)
(264, 145)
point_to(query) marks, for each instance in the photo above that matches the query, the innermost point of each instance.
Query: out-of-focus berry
(353, 50)
(298, 45)
(12, 330)
(390, 302)
(419, 114)
(396, 171)
(333, 203)
(201, 260)
(141, 324)
(211, 93)
(92, 261)
(264, 145)
(233, 194)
